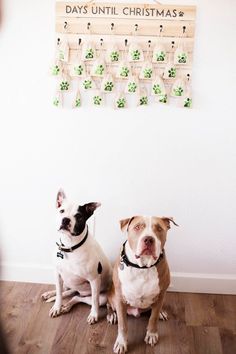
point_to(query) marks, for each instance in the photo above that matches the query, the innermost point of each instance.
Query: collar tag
(60, 255)
(122, 265)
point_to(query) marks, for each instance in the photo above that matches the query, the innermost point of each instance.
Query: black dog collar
(62, 247)
(124, 259)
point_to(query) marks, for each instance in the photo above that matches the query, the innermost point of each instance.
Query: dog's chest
(139, 287)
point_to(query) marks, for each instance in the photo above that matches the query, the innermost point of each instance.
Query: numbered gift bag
(170, 71)
(159, 54)
(158, 87)
(187, 99)
(132, 85)
(112, 54)
(181, 55)
(88, 84)
(64, 82)
(88, 52)
(56, 68)
(120, 101)
(135, 53)
(162, 98)
(142, 97)
(58, 99)
(77, 101)
(63, 51)
(98, 68)
(178, 88)
(124, 70)
(78, 69)
(108, 84)
(98, 98)
(146, 71)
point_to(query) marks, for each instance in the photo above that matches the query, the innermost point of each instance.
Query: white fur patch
(139, 286)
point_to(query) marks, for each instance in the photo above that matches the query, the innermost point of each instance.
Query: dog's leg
(152, 334)
(121, 343)
(85, 299)
(95, 289)
(65, 294)
(56, 309)
(111, 315)
(48, 294)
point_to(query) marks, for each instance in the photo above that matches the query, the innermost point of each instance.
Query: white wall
(159, 161)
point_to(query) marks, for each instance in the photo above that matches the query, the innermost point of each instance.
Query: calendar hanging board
(122, 24)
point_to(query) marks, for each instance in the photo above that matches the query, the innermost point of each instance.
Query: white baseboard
(180, 282)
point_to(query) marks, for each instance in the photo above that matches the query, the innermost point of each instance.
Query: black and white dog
(82, 269)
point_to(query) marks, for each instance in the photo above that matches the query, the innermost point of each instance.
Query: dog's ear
(124, 224)
(168, 220)
(60, 197)
(90, 208)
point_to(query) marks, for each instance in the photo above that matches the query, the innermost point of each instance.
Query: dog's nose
(149, 241)
(65, 221)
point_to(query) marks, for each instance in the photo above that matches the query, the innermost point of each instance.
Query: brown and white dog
(141, 276)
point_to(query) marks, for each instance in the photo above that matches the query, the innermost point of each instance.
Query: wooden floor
(198, 324)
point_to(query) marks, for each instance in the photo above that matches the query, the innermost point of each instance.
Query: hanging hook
(112, 26)
(88, 26)
(101, 42)
(126, 42)
(184, 29)
(80, 40)
(65, 25)
(136, 27)
(149, 43)
(58, 41)
(161, 28)
(173, 44)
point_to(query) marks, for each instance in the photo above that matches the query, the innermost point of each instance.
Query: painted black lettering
(168, 13)
(102, 10)
(174, 13)
(94, 10)
(99, 268)
(74, 10)
(147, 12)
(152, 12)
(125, 11)
(139, 11)
(68, 9)
(160, 13)
(85, 9)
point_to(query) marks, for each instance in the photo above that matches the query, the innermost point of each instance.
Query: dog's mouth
(64, 228)
(146, 252)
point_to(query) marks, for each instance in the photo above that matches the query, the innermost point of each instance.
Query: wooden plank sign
(123, 24)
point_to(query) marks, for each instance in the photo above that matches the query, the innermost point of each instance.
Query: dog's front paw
(120, 345)
(151, 338)
(92, 318)
(163, 316)
(66, 308)
(55, 311)
(47, 295)
(112, 318)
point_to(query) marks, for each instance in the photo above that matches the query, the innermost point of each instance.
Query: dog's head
(73, 217)
(147, 235)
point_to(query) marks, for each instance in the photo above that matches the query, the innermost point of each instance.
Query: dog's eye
(159, 228)
(62, 211)
(139, 227)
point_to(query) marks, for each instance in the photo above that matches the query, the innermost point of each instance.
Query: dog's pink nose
(149, 241)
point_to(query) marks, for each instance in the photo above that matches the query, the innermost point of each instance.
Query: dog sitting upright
(141, 277)
(82, 269)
